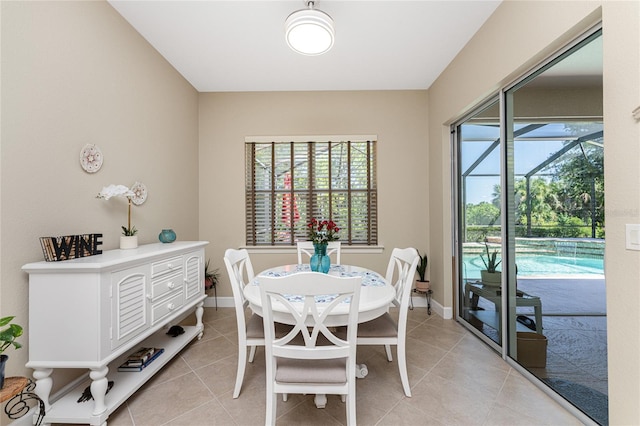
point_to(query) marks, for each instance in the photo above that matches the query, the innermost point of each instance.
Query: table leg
(320, 400)
(538, 311)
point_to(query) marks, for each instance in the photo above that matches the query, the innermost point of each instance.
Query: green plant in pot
(491, 276)
(211, 278)
(422, 284)
(8, 334)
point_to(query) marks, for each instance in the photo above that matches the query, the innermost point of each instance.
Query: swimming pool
(529, 265)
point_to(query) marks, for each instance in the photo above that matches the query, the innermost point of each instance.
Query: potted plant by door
(491, 276)
(422, 284)
(8, 337)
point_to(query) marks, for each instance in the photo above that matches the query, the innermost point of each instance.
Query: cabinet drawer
(167, 306)
(173, 264)
(165, 285)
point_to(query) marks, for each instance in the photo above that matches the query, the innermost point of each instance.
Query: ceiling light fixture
(309, 31)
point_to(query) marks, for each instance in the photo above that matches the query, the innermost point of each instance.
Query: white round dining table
(375, 298)
(375, 295)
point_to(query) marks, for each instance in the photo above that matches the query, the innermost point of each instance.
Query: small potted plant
(422, 284)
(8, 336)
(211, 278)
(129, 238)
(491, 276)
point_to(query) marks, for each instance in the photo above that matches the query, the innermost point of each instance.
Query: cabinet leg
(44, 383)
(99, 386)
(199, 314)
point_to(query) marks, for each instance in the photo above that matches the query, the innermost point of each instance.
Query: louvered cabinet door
(128, 303)
(193, 275)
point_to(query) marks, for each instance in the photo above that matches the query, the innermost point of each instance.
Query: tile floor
(455, 378)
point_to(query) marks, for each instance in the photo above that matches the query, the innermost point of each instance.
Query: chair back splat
(306, 248)
(311, 358)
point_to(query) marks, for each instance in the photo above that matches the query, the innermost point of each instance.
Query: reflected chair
(310, 358)
(306, 248)
(385, 330)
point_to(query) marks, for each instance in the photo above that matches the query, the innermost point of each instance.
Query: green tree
(483, 213)
(542, 200)
(579, 179)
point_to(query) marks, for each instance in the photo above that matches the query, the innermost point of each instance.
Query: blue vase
(320, 262)
(167, 236)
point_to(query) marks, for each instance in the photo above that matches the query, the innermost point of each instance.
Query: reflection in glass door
(532, 196)
(479, 221)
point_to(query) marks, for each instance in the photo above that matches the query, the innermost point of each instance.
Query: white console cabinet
(92, 312)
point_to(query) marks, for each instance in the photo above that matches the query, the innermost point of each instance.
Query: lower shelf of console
(66, 408)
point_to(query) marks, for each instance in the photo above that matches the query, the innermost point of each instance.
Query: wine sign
(70, 246)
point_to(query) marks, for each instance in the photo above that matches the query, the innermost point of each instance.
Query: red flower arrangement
(321, 232)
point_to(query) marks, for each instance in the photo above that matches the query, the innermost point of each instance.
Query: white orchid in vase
(120, 191)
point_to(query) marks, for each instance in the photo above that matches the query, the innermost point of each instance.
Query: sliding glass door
(479, 219)
(530, 225)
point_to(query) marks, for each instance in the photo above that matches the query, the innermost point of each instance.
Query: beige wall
(75, 73)
(397, 117)
(519, 34)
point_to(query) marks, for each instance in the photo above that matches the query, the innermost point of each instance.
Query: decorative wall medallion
(140, 193)
(91, 158)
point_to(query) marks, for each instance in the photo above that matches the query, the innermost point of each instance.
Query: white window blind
(289, 183)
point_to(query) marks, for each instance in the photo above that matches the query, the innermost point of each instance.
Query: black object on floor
(86, 394)
(593, 403)
(527, 322)
(175, 330)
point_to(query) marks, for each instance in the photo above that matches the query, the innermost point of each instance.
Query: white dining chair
(310, 359)
(306, 248)
(250, 331)
(384, 330)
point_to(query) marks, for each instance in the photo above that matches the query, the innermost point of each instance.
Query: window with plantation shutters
(289, 183)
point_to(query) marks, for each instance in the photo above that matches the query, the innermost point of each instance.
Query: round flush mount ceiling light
(309, 31)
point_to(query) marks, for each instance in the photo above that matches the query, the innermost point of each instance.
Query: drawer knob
(170, 284)
(171, 306)
(170, 266)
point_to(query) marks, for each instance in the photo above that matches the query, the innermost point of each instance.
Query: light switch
(633, 237)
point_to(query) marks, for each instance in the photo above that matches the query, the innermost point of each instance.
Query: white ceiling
(221, 46)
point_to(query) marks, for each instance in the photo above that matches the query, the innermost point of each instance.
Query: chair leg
(252, 353)
(402, 367)
(272, 402)
(242, 362)
(387, 348)
(351, 409)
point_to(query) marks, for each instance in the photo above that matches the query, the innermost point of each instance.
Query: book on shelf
(140, 359)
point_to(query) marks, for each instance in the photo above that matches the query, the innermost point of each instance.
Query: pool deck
(570, 295)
